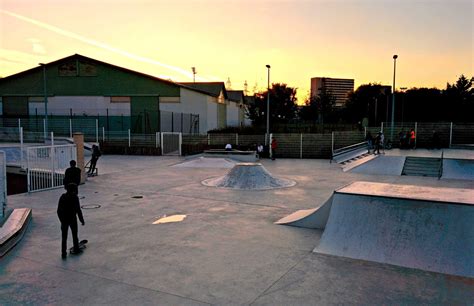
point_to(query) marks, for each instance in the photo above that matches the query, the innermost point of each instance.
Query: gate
(46, 166)
(3, 183)
(171, 143)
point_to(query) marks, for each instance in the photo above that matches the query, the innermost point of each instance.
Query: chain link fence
(291, 145)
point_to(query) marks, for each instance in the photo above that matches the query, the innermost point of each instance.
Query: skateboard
(82, 246)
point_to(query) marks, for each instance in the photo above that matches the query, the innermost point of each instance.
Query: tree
(319, 107)
(460, 99)
(367, 101)
(282, 105)
(421, 104)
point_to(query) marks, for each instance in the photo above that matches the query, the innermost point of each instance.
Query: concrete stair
(422, 166)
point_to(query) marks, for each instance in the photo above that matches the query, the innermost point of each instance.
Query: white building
(236, 108)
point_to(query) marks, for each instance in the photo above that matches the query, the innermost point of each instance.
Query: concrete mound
(249, 176)
(411, 226)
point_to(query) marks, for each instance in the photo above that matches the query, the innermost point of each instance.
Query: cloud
(37, 46)
(101, 45)
(14, 56)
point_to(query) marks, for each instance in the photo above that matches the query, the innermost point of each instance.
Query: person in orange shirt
(412, 138)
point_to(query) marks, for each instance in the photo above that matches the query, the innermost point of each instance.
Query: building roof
(91, 60)
(208, 90)
(236, 95)
(211, 88)
(249, 100)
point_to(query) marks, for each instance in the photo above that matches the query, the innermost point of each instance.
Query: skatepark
(165, 231)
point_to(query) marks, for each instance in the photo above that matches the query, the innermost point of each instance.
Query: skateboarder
(68, 211)
(369, 139)
(378, 141)
(95, 157)
(72, 174)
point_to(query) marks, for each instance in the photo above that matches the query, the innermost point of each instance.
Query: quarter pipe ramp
(412, 226)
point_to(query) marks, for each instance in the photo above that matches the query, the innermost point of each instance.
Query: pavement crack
(115, 281)
(266, 291)
(228, 201)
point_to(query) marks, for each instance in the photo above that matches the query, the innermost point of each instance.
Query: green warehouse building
(81, 87)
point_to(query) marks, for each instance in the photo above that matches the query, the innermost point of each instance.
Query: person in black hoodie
(72, 174)
(95, 157)
(68, 211)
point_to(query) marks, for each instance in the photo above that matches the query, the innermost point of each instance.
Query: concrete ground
(226, 251)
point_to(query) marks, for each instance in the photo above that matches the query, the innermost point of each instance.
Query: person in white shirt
(228, 147)
(259, 150)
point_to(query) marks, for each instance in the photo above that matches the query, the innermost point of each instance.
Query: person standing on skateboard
(68, 211)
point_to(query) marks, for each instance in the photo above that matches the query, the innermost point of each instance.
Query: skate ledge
(13, 229)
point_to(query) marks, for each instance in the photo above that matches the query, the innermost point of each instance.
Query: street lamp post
(268, 106)
(393, 97)
(402, 89)
(45, 102)
(194, 74)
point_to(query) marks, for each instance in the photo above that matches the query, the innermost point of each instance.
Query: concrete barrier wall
(427, 235)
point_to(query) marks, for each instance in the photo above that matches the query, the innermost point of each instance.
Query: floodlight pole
(45, 102)
(393, 97)
(267, 140)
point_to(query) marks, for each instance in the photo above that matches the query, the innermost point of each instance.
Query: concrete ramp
(249, 176)
(459, 169)
(309, 218)
(411, 226)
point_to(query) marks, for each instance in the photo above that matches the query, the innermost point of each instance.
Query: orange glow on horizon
(353, 39)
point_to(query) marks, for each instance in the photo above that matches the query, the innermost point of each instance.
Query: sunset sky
(235, 39)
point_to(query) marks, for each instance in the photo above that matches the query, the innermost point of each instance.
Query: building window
(35, 99)
(119, 99)
(36, 105)
(220, 99)
(87, 69)
(68, 69)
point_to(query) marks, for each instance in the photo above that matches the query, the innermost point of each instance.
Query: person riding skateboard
(68, 211)
(95, 157)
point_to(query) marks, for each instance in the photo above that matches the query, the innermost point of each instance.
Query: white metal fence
(3, 183)
(46, 166)
(171, 143)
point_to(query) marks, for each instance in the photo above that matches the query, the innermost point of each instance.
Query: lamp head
(268, 66)
(395, 56)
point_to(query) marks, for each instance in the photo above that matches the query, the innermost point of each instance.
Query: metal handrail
(440, 170)
(347, 149)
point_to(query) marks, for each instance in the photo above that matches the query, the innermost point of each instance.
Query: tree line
(371, 103)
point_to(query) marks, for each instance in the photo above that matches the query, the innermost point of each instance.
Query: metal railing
(344, 150)
(440, 169)
(3, 183)
(46, 166)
